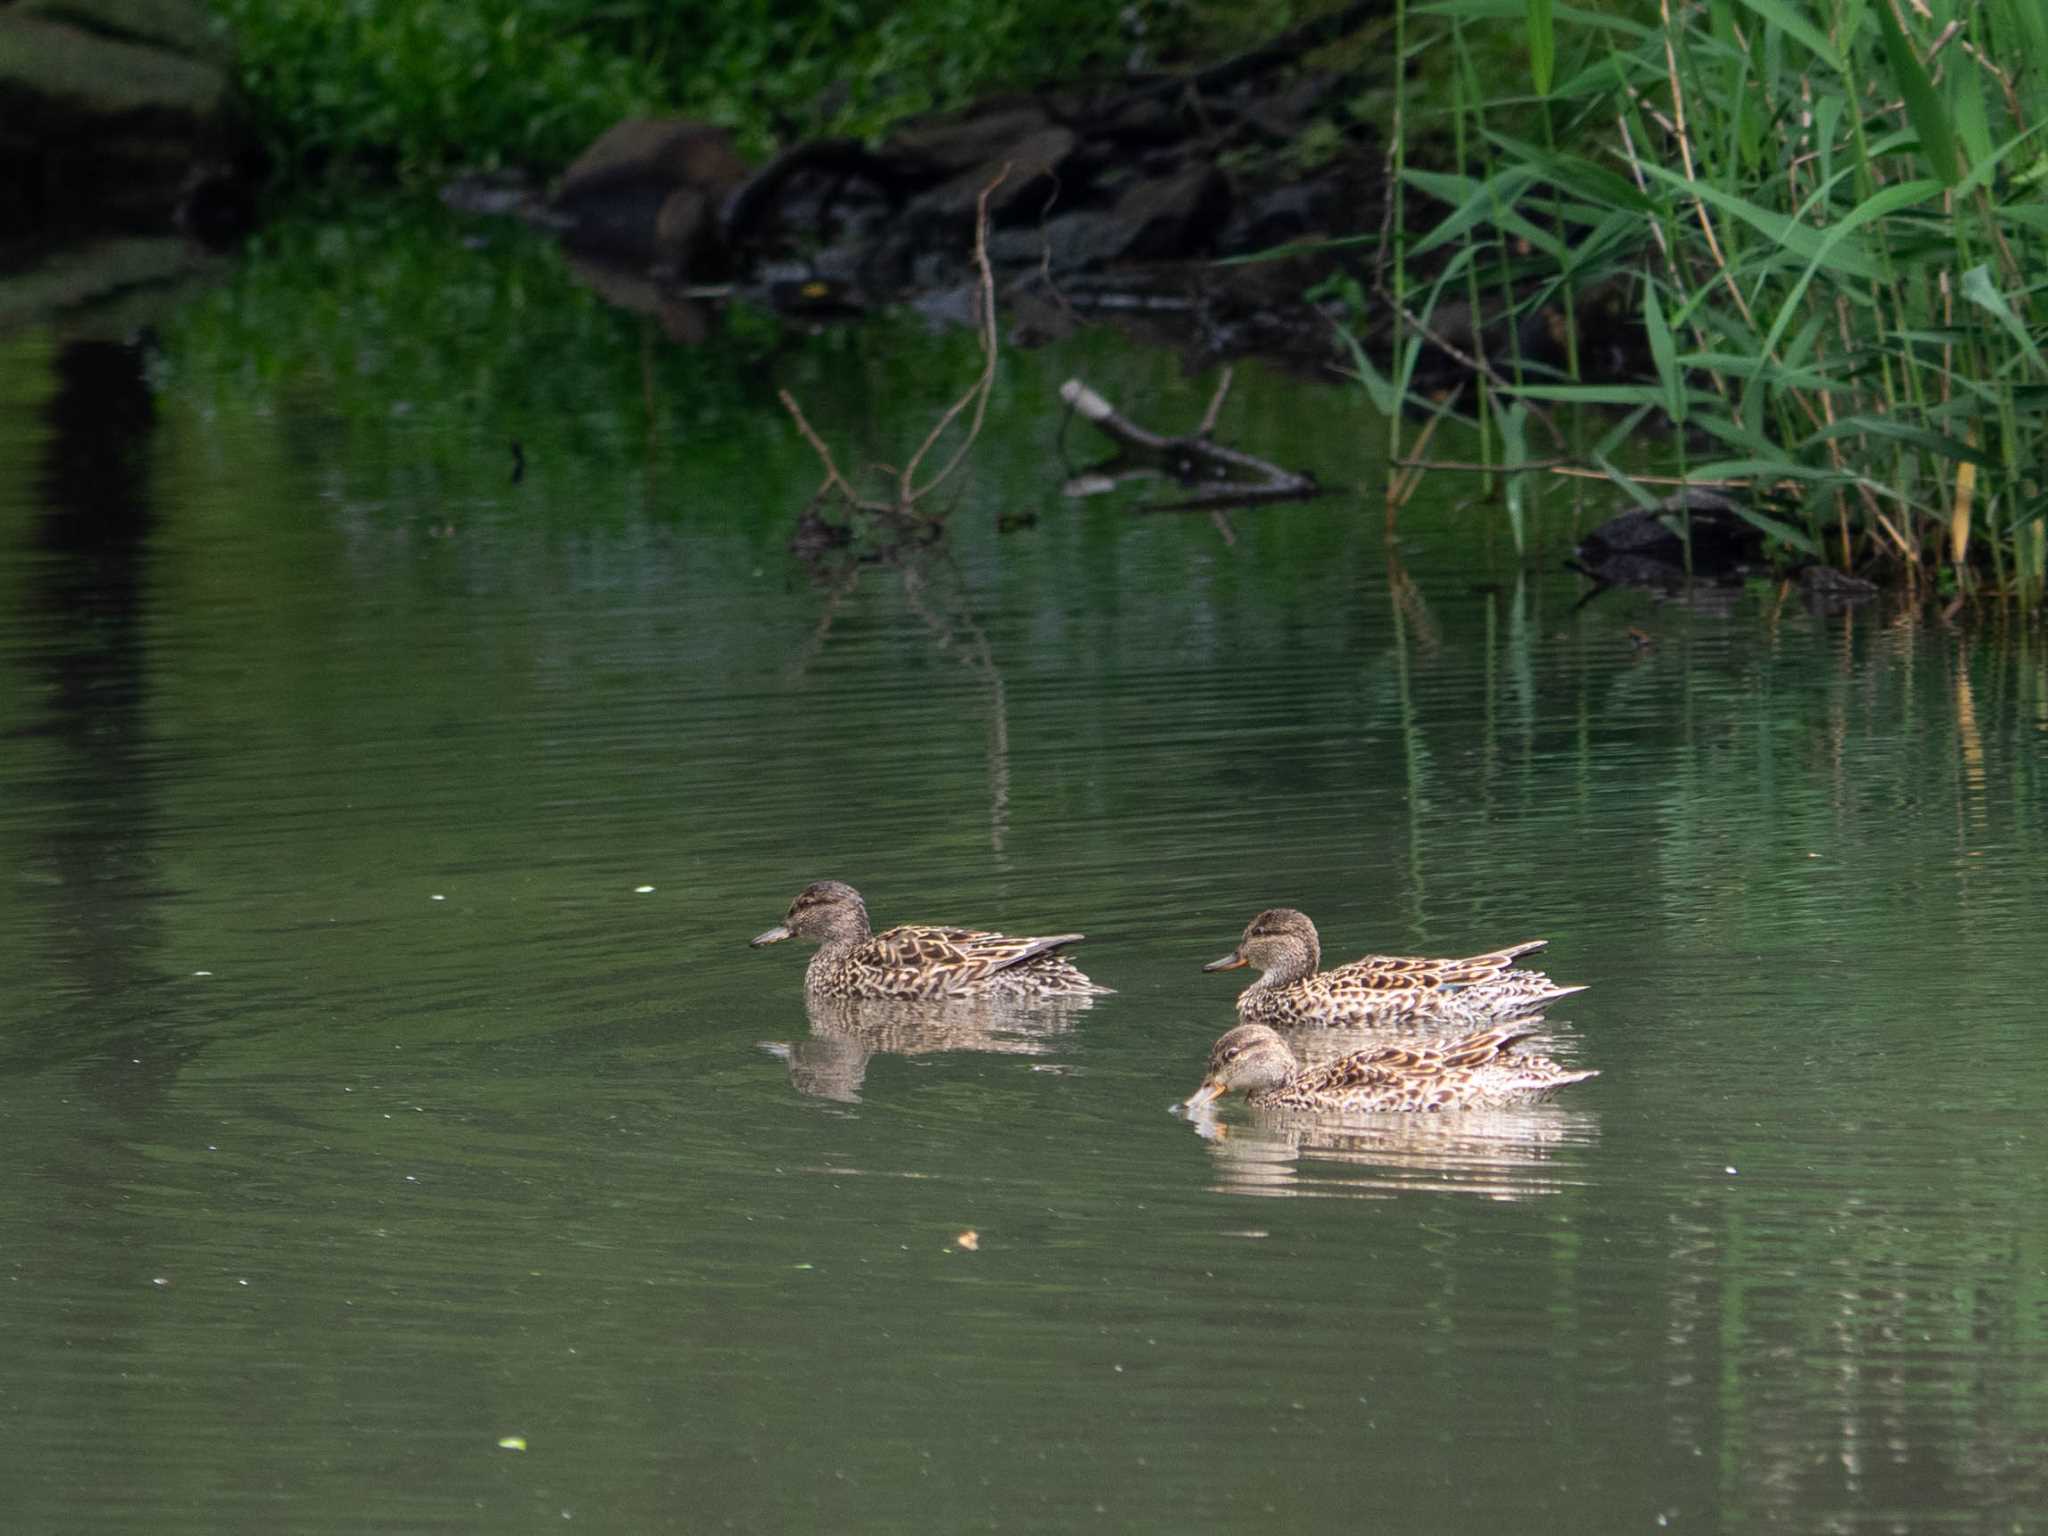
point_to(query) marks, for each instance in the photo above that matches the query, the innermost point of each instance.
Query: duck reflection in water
(1492, 1154)
(846, 1032)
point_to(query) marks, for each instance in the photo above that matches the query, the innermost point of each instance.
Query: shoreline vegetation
(1797, 242)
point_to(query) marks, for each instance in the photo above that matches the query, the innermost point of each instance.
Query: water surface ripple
(388, 1082)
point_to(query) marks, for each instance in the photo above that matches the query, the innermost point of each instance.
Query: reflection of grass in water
(373, 342)
(388, 321)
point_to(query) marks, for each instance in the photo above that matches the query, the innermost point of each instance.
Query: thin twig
(978, 395)
(1216, 403)
(834, 481)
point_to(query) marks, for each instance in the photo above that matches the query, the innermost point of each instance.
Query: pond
(403, 1135)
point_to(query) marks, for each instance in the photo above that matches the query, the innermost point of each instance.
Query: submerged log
(1219, 477)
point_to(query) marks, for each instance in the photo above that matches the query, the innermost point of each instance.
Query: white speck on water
(1729, 1169)
(437, 897)
(638, 890)
(202, 973)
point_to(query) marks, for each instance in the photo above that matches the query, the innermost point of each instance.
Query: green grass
(430, 85)
(1830, 232)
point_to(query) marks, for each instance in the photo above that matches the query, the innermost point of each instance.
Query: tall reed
(1811, 235)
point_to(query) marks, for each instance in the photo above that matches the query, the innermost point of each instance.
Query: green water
(362, 1111)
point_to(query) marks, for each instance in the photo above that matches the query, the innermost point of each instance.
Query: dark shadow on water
(96, 875)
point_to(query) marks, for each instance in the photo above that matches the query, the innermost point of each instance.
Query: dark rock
(948, 144)
(1097, 179)
(67, 75)
(1029, 169)
(1143, 121)
(1645, 547)
(1825, 590)
(1290, 211)
(1174, 216)
(648, 193)
(1603, 321)
(216, 205)
(178, 26)
(669, 151)
(116, 117)
(824, 189)
(1070, 242)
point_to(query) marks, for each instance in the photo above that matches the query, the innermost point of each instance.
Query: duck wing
(1400, 973)
(962, 956)
(1387, 1066)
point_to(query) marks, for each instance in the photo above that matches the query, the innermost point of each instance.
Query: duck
(1477, 1071)
(920, 960)
(1378, 990)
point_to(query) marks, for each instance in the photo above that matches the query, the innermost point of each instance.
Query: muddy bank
(1119, 200)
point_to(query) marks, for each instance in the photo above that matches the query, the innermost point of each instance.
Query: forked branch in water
(902, 503)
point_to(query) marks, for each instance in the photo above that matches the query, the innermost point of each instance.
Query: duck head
(1249, 1058)
(1280, 942)
(824, 912)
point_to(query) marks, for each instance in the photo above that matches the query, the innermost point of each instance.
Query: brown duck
(917, 960)
(1481, 1071)
(1380, 989)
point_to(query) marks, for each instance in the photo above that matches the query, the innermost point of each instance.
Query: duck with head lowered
(1480, 1071)
(919, 960)
(1378, 990)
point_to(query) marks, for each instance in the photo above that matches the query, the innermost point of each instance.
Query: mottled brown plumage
(1380, 989)
(919, 960)
(1478, 1071)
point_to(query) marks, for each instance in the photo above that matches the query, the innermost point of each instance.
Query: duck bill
(1208, 1093)
(774, 935)
(1234, 961)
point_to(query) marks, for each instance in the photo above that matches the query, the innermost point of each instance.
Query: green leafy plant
(426, 85)
(1828, 220)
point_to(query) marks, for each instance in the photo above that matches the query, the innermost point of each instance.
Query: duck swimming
(1379, 989)
(1480, 1071)
(917, 960)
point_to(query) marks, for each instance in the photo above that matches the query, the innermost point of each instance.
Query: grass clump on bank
(1824, 225)
(430, 85)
